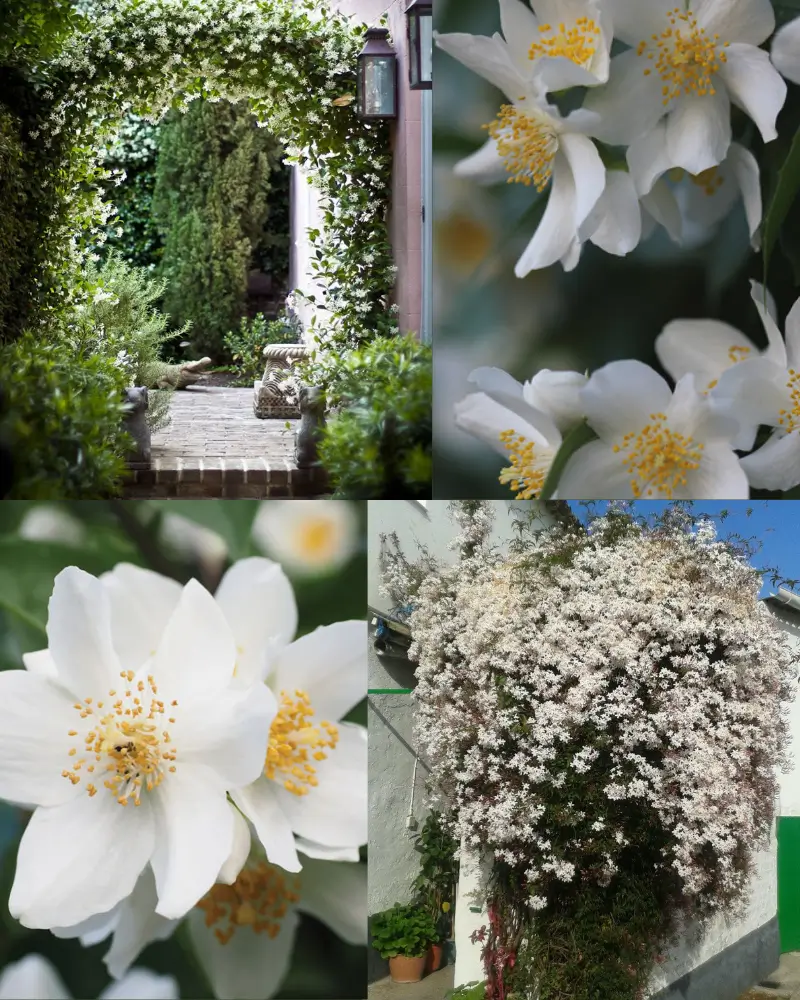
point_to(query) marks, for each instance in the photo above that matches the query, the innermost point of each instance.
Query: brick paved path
(216, 447)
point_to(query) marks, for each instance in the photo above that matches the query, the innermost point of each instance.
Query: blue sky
(775, 523)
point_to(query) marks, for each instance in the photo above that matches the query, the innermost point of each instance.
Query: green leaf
(233, 520)
(577, 438)
(783, 198)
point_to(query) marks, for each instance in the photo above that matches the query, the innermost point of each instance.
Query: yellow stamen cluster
(528, 143)
(126, 740)
(522, 475)
(735, 355)
(578, 43)
(658, 459)
(709, 180)
(316, 536)
(259, 898)
(293, 741)
(685, 56)
(789, 420)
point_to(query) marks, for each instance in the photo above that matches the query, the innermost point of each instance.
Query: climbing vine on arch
(295, 64)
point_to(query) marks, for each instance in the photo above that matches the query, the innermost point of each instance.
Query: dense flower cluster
(595, 681)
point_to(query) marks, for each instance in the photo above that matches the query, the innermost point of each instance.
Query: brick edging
(224, 477)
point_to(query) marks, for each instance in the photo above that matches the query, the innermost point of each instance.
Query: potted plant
(403, 934)
(435, 884)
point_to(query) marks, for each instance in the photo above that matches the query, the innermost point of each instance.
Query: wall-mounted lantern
(377, 76)
(420, 44)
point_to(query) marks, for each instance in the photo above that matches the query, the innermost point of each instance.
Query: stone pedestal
(269, 399)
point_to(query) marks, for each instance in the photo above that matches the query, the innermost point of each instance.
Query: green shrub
(379, 443)
(63, 419)
(210, 206)
(403, 930)
(246, 345)
(124, 324)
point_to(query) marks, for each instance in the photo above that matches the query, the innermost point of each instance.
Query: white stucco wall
(306, 214)
(789, 620)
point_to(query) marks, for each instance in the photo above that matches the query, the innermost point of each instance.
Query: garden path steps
(216, 447)
(432, 987)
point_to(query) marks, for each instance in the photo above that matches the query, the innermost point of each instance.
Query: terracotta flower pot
(403, 969)
(433, 960)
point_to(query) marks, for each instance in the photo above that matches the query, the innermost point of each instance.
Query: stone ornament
(274, 394)
(135, 401)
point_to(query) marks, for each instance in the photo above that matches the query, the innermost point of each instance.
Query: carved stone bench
(269, 398)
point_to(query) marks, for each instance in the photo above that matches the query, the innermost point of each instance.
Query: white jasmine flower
(35, 978)
(688, 205)
(785, 50)
(653, 442)
(125, 734)
(308, 536)
(48, 523)
(687, 63)
(531, 143)
(766, 391)
(523, 422)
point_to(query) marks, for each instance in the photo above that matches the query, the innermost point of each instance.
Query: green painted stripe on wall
(789, 882)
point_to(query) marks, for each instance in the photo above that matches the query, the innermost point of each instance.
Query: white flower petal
(557, 394)
(557, 228)
(330, 665)
(93, 930)
(595, 471)
(587, 170)
(634, 20)
(776, 464)
(615, 223)
(79, 859)
(35, 718)
(41, 662)
(662, 205)
(142, 984)
(793, 336)
(195, 836)
(520, 28)
(752, 392)
(719, 477)
(32, 978)
(702, 347)
(308, 537)
(777, 347)
(750, 21)
(484, 166)
(141, 603)
(138, 926)
(744, 167)
(699, 131)
(240, 851)
(785, 50)
(648, 158)
(79, 634)
(554, 73)
(620, 397)
(630, 104)
(322, 853)
(259, 605)
(486, 419)
(494, 381)
(336, 894)
(250, 966)
(334, 813)
(259, 803)
(755, 86)
(197, 653)
(488, 57)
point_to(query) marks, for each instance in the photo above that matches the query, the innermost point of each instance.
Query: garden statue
(312, 420)
(186, 374)
(135, 421)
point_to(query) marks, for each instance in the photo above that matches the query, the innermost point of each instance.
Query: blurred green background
(609, 308)
(37, 540)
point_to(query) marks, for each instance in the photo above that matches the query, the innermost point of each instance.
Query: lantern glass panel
(378, 86)
(426, 47)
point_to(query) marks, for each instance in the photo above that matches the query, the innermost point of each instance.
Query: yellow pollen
(578, 43)
(125, 744)
(259, 899)
(686, 57)
(525, 475)
(316, 537)
(293, 740)
(789, 420)
(658, 458)
(527, 142)
(709, 180)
